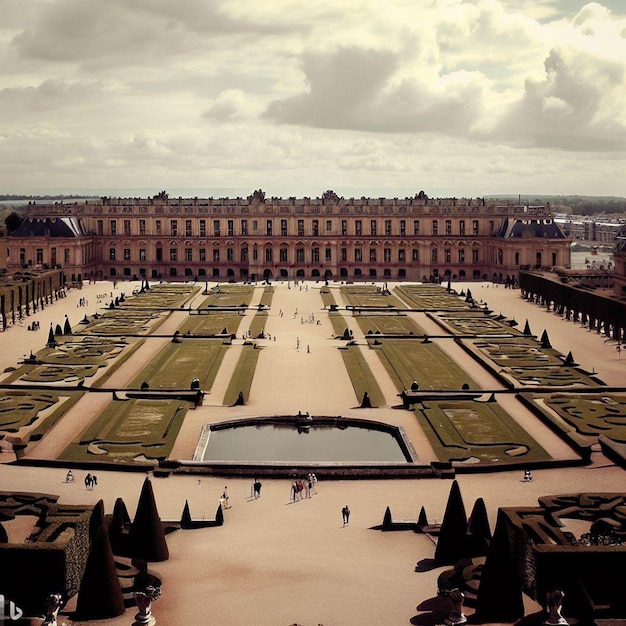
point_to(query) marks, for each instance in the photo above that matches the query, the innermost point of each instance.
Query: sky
(373, 98)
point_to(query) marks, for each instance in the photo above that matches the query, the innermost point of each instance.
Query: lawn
(430, 297)
(361, 376)
(228, 295)
(241, 380)
(211, 323)
(388, 323)
(368, 296)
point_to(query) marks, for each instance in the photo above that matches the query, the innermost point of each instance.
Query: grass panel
(241, 379)
(361, 376)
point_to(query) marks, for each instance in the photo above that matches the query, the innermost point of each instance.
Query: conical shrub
(387, 519)
(119, 527)
(147, 538)
(96, 520)
(185, 519)
(480, 533)
(545, 340)
(422, 520)
(452, 543)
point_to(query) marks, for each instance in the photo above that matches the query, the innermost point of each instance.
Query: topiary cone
(422, 520)
(479, 530)
(118, 530)
(96, 520)
(185, 519)
(387, 519)
(147, 539)
(452, 541)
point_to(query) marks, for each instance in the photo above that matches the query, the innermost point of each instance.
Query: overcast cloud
(456, 97)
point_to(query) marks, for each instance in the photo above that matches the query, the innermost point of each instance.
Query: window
(462, 228)
(300, 228)
(188, 229)
(416, 254)
(113, 227)
(142, 254)
(475, 256)
(158, 228)
(66, 255)
(373, 228)
(283, 255)
(53, 257)
(328, 254)
(474, 227)
(315, 255)
(216, 228)
(268, 255)
(435, 227)
(255, 225)
(358, 228)
(159, 254)
(39, 254)
(173, 254)
(111, 254)
(358, 255)
(230, 228)
(216, 255)
(126, 228)
(447, 253)
(188, 254)
(142, 228)
(126, 254)
(244, 255)
(402, 255)
(283, 227)
(344, 227)
(255, 253)
(344, 254)
(202, 228)
(174, 228)
(491, 227)
(434, 256)
(387, 227)
(230, 254)
(448, 227)
(269, 226)
(416, 227)
(316, 228)
(244, 227)
(100, 227)
(461, 255)
(517, 258)
(372, 255)
(403, 227)
(202, 255)
(538, 259)
(387, 255)
(299, 255)
(329, 225)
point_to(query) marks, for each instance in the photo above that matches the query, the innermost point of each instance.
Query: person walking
(345, 514)
(257, 488)
(224, 501)
(88, 481)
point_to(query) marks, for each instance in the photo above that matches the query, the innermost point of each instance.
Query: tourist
(345, 514)
(310, 482)
(308, 349)
(69, 477)
(88, 481)
(224, 501)
(257, 488)
(527, 476)
(94, 480)
(293, 491)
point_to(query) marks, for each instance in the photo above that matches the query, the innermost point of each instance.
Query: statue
(330, 197)
(55, 602)
(455, 598)
(554, 601)
(143, 599)
(258, 195)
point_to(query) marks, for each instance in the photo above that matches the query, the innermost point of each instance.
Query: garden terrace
(466, 431)
(475, 322)
(430, 298)
(122, 322)
(549, 376)
(212, 324)
(388, 325)
(366, 296)
(162, 296)
(140, 431)
(515, 351)
(228, 296)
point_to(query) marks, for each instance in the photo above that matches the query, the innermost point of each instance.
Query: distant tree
(13, 221)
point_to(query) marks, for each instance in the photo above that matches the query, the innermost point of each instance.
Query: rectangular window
(373, 228)
(111, 254)
(435, 227)
(358, 255)
(474, 227)
(434, 255)
(202, 255)
(283, 255)
(416, 227)
(358, 228)
(316, 228)
(244, 255)
(372, 255)
(461, 255)
(126, 228)
(174, 228)
(517, 258)
(66, 255)
(268, 255)
(188, 254)
(387, 255)
(300, 228)
(447, 253)
(230, 227)
(142, 254)
(491, 224)
(255, 225)
(328, 254)
(344, 227)
(474, 256)
(216, 255)
(416, 254)
(538, 259)
(216, 228)
(269, 225)
(462, 228)
(173, 254)
(387, 227)
(244, 227)
(202, 228)
(113, 227)
(126, 254)
(158, 228)
(230, 254)
(283, 228)
(315, 255)
(299, 255)
(402, 255)
(403, 227)
(39, 254)
(448, 227)
(344, 254)
(100, 227)
(188, 229)
(142, 228)
(255, 253)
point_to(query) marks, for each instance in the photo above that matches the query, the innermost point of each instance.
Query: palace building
(254, 238)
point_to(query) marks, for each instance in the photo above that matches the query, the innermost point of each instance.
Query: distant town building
(253, 238)
(619, 256)
(589, 229)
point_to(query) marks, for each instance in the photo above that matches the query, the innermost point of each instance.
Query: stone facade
(253, 238)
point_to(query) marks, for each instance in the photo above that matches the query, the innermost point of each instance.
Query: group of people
(33, 326)
(91, 480)
(303, 488)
